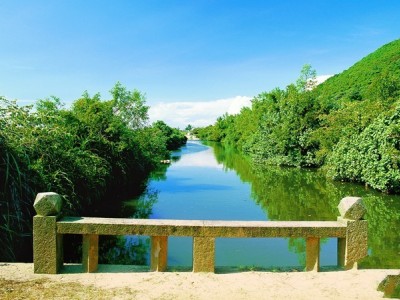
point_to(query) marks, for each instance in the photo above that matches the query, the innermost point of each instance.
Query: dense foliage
(94, 154)
(175, 138)
(348, 125)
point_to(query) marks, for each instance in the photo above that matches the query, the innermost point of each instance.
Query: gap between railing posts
(48, 229)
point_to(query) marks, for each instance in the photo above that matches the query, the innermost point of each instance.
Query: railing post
(159, 253)
(341, 252)
(312, 254)
(355, 245)
(47, 244)
(90, 252)
(203, 254)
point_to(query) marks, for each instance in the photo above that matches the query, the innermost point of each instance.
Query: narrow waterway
(198, 187)
(214, 183)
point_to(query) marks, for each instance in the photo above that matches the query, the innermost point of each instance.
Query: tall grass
(15, 207)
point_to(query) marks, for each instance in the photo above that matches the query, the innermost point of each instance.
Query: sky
(194, 59)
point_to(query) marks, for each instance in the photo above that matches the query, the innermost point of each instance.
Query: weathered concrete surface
(157, 227)
(204, 233)
(312, 254)
(47, 246)
(352, 208)
(90, 252)
(356, 240)
(355, 245)
(48, 204)
(203, 254)
(341, 252)
(159, 253)
(351, 234)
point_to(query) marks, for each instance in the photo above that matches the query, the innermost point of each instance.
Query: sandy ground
(353, 284)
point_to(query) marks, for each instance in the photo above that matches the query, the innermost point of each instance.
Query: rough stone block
(352, 208)
(341, 252)
(312, 254)
(48, 204)
(356, 240)
(209, 228)
(354, 246)
(47, 246)
(203, 254)
(159, 253)
(90, 252)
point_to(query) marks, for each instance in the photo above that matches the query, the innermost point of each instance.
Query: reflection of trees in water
(141, 207)
(160, 173)
(302, 194)
(383, 215)
(298, 246)
(124, 250)
(120, 250)
(284, 193)
(130, 250)
(175, 158)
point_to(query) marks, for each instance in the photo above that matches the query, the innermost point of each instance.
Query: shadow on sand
(77, 268)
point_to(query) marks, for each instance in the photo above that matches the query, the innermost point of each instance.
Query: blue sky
(185, 55)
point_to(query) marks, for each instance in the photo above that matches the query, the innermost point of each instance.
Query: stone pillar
(354, 246)
(47, 244)
(90, 252)
(203, 254)
(341, 252)
(312, 254)
(159, 253)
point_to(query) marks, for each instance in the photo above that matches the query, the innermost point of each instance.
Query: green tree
(307, 80)
(372, 156)
(95, 154)
(174, 137)
(130, 105)
(306, 125)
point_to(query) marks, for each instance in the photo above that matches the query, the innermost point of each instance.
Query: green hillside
(360, 80)
(348, 126)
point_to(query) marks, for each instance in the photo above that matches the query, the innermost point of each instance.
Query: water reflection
(121, 250)
(219, 184)
(295, 194)
(196, 155)
(142, 207)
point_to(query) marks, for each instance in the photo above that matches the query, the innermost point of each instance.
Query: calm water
(213, 183)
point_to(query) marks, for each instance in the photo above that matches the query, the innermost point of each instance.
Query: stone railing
(48, 230)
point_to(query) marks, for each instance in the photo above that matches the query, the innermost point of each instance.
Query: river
(210, 182)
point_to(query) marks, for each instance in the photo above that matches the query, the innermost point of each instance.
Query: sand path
(353, 284)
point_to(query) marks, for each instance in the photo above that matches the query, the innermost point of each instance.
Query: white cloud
(312, 83)
(198, 114)
(201, 159)
(203, 113)
(321, 78)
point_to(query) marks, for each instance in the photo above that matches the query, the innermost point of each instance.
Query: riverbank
(17, 281)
